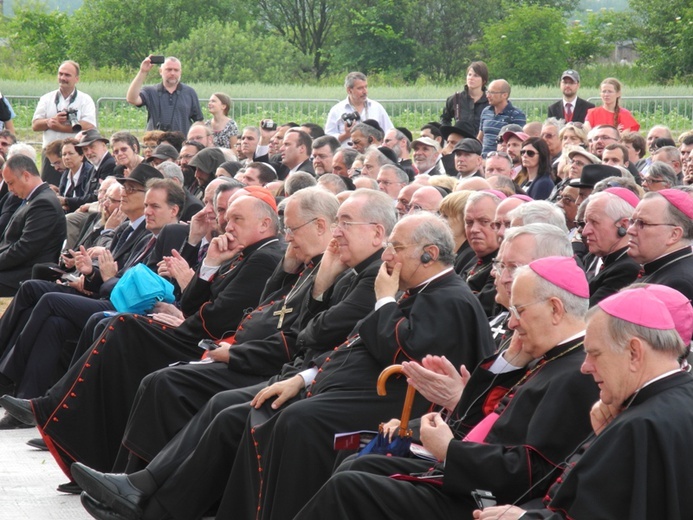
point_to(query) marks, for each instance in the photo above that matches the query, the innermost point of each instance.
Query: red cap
(640, 307)
(680, 200)
(625, 194)
(263, 194)
(563, 272)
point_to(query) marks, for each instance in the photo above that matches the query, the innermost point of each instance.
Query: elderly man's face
(478, 218)
(530, 316)
(600, 231)
(405, 252)
(425, 157)
(652, 241)
(610, 368)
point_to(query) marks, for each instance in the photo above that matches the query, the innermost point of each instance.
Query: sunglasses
(528, 153)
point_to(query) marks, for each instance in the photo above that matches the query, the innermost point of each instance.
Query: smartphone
(156, 60)
(207, 344)
(57, 270)
(70, 277)
(483, 498)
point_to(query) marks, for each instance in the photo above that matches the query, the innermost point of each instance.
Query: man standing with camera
(356, 107)
(62, 113)
(171, 105)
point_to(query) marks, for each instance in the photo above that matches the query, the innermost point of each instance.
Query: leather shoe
(8, 422)
(71, 488)
(99, 510)
(115, 491)
(38, 443)
(19, 408)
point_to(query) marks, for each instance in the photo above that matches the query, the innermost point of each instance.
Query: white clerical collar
(434, 277)
(661, 376)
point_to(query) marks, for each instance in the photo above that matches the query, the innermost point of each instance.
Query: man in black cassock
(607, 239)
(634, 467)
(479, 213)
(341, 395)
(193, 464)
(82, 417)
(510, 445)
(263, 342)
(437, 314)
(660, 239)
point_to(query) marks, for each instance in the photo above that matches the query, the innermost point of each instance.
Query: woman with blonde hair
(611, 113)
(452, 211)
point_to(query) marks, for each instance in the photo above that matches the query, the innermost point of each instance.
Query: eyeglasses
(641, 224)
(291, 230)
(57, 164)
(647, 180)
(345, 225)
(528, 153)
(579, 223)
(404, 203)
(500, 267)
(499, 154)
(515, 310)
(497, 224)
(131, 189)
(565, 198)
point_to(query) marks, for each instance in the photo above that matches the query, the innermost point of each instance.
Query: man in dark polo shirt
(171, 105)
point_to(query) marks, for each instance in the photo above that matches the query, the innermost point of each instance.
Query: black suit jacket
(283, 171)
(35, 234)
(579, 112)
(106, 167)
(86, 189)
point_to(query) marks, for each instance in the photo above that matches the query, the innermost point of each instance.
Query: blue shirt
(491, 124)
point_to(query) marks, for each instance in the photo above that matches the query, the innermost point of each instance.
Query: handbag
(139, 289)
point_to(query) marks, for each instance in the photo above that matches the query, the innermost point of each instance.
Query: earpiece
(621, 231)
(426, 257)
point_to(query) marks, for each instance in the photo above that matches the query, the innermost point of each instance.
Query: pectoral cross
(281, 313)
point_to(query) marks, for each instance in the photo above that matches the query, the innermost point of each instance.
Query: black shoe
(71, 488)
(19, 408)
(109, 489)
(38, 444)
(99, 510)
(8, 422)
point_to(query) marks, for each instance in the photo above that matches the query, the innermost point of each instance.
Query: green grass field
(410, 106)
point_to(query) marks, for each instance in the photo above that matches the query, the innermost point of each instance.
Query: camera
(156, 60)
(72, 118)
(163, 127)
(268, 124)
(350, 118)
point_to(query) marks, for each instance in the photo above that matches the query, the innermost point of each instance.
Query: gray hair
(675, 216)
(549, 240)
(378, 208)
(557, 123)
(399, 172)
(315, 202)
(368, 131)
(353, 77)
(539, 211)
(616, 208)
(623, 182)
(127, 138)
(432, 231)
(171, 170)
(298, 181)
(575, 306)
(22, 149)
(670, 152)
(333, 181)
(379, 156)
(253, 129)
(621, 331)
(662, 170)
(349, 155)
(479, 195)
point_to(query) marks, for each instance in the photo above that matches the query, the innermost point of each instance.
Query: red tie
(568, 112)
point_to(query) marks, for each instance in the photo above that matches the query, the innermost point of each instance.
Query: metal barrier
(115, 113)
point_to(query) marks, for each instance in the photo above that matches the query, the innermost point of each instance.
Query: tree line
(298, 41)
